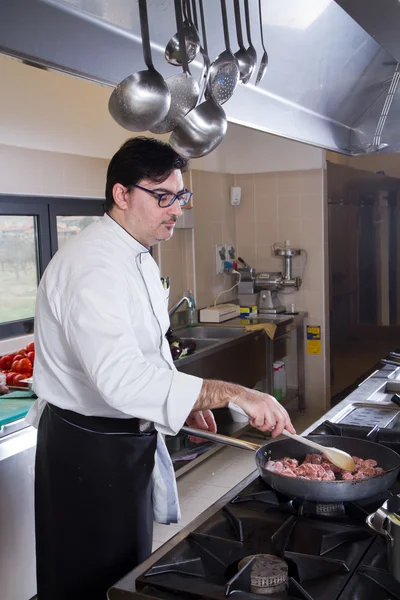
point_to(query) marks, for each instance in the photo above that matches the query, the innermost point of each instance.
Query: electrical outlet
(230, 252)
(220, 258)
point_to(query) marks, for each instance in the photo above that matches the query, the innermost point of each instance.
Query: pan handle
(222, 439)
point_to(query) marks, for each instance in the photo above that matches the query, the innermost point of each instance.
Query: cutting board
(15, 406)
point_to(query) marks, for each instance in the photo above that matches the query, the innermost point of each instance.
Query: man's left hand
(201, 419)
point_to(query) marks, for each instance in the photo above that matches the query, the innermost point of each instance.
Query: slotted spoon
(224, 71)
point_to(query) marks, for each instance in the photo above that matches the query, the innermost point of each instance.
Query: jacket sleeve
(93, 310)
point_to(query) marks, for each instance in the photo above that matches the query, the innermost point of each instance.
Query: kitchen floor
(206, 483)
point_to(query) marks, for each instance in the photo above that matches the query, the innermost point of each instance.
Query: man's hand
(201, 419)
(265, 413)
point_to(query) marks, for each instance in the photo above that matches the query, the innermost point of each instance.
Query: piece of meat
(368, 471)
(290, 462)
(288, 472)
(314, 459)
(317, 467)
(370, 462)
(275, 466)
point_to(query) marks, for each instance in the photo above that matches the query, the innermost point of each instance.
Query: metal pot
(387, 523)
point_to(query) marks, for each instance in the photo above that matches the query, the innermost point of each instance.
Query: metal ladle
(183, 88)
(191, 38)
(251, 51)
(204, 127)
(142, 99)
(264, 60)
(246, 65)
(224, 71)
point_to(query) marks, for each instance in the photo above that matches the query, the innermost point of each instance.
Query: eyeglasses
(167, 198)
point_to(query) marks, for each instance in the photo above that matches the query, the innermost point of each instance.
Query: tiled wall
(291, 206)
(189, 257)
(274, 207)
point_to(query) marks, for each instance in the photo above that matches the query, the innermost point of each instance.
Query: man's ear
(119, 195)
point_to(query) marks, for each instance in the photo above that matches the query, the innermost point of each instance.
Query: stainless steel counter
(374, 390)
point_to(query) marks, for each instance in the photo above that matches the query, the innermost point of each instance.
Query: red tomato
(31, 356)
(17, 379)
(30, 347)
(6, 362)
(22, 352)
(25, 365)
(19, 356)
(10, 377)
(15, 366)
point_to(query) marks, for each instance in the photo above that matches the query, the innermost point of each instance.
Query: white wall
(54, 112)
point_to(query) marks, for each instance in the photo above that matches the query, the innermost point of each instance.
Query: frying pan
(317, 491)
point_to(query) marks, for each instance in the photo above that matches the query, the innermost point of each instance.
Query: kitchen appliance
(262, 288)
(219, 313)
(318, 491)
(323, 551)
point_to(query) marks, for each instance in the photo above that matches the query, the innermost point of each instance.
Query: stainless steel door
(17, 529)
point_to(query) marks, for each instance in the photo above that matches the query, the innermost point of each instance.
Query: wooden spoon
(337, 457)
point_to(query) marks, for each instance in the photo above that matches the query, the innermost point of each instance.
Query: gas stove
(257, 542)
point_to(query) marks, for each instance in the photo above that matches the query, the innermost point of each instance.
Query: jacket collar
(126, 237)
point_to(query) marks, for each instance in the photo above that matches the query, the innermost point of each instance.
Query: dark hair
(141, 158)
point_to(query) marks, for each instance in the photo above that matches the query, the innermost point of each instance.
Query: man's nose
(176, 209)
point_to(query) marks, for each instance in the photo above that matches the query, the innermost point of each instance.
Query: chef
(107, 386)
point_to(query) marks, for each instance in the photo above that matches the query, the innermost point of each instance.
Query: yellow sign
(313, 339)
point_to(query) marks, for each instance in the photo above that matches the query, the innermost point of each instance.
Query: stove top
(327, 551)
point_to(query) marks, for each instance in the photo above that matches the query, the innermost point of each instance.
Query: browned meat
(318, 468)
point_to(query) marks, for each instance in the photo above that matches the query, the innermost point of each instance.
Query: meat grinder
(261, 289)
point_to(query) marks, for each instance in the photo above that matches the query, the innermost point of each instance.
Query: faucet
(190, 302)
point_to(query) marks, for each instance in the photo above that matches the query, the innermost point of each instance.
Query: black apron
(93, 502)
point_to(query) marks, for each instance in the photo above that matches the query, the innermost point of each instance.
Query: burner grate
(309, 567)
(369, 582)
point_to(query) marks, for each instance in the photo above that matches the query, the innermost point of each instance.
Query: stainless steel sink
(201, 344)
(208, 331)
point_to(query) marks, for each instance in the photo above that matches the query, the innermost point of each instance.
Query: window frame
(45, 209)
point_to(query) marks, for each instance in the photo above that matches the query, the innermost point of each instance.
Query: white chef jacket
(100, 346)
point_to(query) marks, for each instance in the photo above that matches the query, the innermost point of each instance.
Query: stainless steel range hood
(327, 83)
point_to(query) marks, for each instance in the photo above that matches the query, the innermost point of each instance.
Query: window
(67, 227)
(19, 273)
(31, 231)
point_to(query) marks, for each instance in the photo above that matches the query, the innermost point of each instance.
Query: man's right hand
(265, 413)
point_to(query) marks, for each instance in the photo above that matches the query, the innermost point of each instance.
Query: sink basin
(201, 344)
(207, 332)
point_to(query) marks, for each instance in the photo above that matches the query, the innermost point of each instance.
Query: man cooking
(108, 388)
